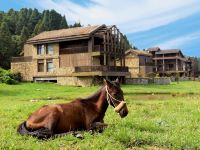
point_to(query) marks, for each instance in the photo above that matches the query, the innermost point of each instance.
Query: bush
(168, 74)
(151, 75)
(139, 75)
(9, 78)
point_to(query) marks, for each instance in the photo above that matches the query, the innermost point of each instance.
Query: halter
(110, 99)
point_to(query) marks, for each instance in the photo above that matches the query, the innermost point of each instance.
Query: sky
(168, 24)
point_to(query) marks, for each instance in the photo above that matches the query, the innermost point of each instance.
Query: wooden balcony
(81, 49)
(100, 71)
(169, 58)
(21, 59)
(101, 68)
(171, 70)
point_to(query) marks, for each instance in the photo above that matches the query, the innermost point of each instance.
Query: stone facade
(139, 63)
(25, 68)
(75, 81)
(162, 80)
(132, 62)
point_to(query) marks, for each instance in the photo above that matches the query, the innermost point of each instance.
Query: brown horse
(80, 114)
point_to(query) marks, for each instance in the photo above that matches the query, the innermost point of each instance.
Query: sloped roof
(138, 52)
(153, 49)
(168, 51)
(64, 34)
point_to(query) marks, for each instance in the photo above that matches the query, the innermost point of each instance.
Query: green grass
(167, 118)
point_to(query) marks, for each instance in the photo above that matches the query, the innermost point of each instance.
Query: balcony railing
(80, 49)
(22, 59)
(71, 50)
(170, 69)
(101, 68)
(98, 48)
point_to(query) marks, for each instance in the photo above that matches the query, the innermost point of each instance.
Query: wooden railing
(98, 48)
(71, 50)
(170, 69)
(101, 68)
(22, 59)
(80, 49)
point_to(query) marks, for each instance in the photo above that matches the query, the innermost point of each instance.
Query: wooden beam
(104, 45)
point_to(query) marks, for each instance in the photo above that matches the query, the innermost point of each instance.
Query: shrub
(168, 74)
(151, 75)
(9, 78)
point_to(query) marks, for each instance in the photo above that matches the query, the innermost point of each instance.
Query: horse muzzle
(122, 109)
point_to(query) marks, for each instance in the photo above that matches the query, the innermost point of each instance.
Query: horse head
(115, 97)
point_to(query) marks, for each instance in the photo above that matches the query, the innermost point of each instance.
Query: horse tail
(42, 133)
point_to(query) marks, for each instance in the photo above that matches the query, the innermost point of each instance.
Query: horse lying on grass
(80, 114)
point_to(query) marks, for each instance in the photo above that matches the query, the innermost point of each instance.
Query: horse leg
(98, 127)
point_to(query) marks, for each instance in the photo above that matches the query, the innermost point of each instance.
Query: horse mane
(94, 96)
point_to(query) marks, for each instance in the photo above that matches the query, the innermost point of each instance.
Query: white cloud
(129, 15)
(179, 41)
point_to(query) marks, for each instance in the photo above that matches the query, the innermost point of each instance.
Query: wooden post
(104, 53)
(119, 52)
(156, 65)
(114, 48)
(163, 63)
(91, 48)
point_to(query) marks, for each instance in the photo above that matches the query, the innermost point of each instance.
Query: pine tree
(63, 23)
(6, 45)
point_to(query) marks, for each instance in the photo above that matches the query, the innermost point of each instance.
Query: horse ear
(108, 83)
(117, 80)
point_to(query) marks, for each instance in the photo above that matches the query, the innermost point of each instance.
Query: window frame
(40, 49)
(40, 62)
(47, 49)
(49, 69)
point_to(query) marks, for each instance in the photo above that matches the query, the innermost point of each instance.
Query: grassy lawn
(160, 117)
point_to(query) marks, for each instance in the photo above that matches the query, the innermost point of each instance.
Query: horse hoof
(80, 136)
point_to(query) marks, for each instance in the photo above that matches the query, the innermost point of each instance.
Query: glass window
(49, 49)
(40, 49)
(40, 65)
(49, 65)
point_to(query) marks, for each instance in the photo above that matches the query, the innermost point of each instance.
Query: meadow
(160, 117)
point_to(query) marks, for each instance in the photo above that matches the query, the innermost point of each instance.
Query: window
(49, 49)
(40, 65)
(40, 49)
(49, 65)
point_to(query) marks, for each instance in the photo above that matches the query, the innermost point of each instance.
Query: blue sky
(147, 23)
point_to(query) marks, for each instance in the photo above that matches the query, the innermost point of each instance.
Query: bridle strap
(110, 98)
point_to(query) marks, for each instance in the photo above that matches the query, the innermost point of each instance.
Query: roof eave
(51, 40)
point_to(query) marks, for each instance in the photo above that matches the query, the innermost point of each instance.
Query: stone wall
(75, 81)
(25, 68)
(137, 81)
(28, 49)
(162, 80)
(133, 63)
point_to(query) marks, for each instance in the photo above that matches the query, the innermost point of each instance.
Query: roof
(153, 49)
(138, 52)
(62, 34)
(168, 51)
